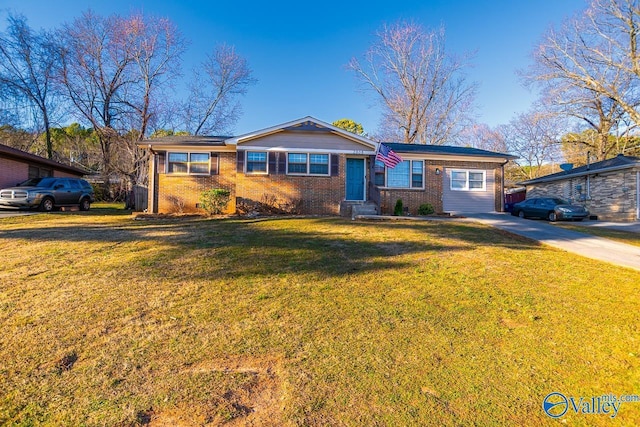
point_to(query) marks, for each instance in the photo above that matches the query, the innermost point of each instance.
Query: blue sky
(298, 50)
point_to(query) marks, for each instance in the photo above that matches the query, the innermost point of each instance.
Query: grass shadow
(262, 247)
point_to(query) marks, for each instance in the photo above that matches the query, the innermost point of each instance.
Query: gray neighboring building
(610, 189)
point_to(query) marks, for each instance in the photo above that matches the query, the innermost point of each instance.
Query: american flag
(387, 156)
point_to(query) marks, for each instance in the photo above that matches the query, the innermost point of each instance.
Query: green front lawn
(318, 321)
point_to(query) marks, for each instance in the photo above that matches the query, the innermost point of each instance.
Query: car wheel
(552, 216)
(46, 205)
(521, 214)
(85, 204)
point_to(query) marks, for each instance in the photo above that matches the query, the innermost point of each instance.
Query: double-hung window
(468, 180)
(307, 164)
(189, 163)
(319, 164)
(297, 163)
(199, 163)
(256, 162)
(406, 174)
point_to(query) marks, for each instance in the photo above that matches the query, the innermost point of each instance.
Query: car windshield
(45, 182)
(559, 202)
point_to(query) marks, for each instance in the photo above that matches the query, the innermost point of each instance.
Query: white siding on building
(469, 201)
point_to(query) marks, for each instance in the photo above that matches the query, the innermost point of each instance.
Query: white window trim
(466, 184)
(188, 172)
(409, 188)
(308, 155)
(246, 162)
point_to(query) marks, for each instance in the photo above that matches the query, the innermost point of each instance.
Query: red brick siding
(181, 193)
(412, 199)
(12, 172)
(319, 195)
(316, 194)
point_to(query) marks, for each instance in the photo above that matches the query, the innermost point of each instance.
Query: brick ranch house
(17, 166)
(320, 169)
(610, 189)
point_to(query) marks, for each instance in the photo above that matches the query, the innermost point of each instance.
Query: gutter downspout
(502, 190)
(151, 204)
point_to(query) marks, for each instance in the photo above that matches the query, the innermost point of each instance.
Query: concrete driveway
(568, 240)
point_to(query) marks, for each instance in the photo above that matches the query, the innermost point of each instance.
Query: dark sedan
(549, 208)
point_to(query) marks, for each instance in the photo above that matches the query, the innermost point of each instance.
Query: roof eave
(20, 155)
(581, 173)
(279, 128)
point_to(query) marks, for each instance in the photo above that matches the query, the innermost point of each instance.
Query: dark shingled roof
(615, 163)
(186, 140)
(444, 149)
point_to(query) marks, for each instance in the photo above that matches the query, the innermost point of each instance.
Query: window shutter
(272, 162)
(214, 163)
(240, 161)
(335, 165)
(282, 163)
(162, 157)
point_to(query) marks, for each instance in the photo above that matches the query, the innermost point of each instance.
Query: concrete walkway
(568, 240)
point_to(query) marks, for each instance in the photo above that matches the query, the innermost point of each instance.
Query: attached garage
(450, 179)
(469, 190)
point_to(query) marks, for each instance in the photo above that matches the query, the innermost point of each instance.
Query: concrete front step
(351, 209)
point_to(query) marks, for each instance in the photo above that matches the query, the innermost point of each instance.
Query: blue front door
(355, 179)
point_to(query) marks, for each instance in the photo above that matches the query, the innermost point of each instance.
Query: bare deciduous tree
(534, 137)
(483, 137)
(114, 69)
(212, 105)
(422, 89)
(579, 71)
(97, 64)
(157, 48)
(28, 61)
(592, 62)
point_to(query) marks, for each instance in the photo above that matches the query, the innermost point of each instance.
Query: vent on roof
(566, 166)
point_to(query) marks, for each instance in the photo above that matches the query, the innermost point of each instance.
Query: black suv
(47, 193)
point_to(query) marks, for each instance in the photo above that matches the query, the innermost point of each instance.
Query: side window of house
(417, 174)
(468, 180)
(307, 164)
(256, 162)
(38, 172)
(178, 163)
(378, 174)
(458, 180)
(319, 164)
(199, 163)
(476, 180)
(188, 163)
(296, 163)
(407, 174)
